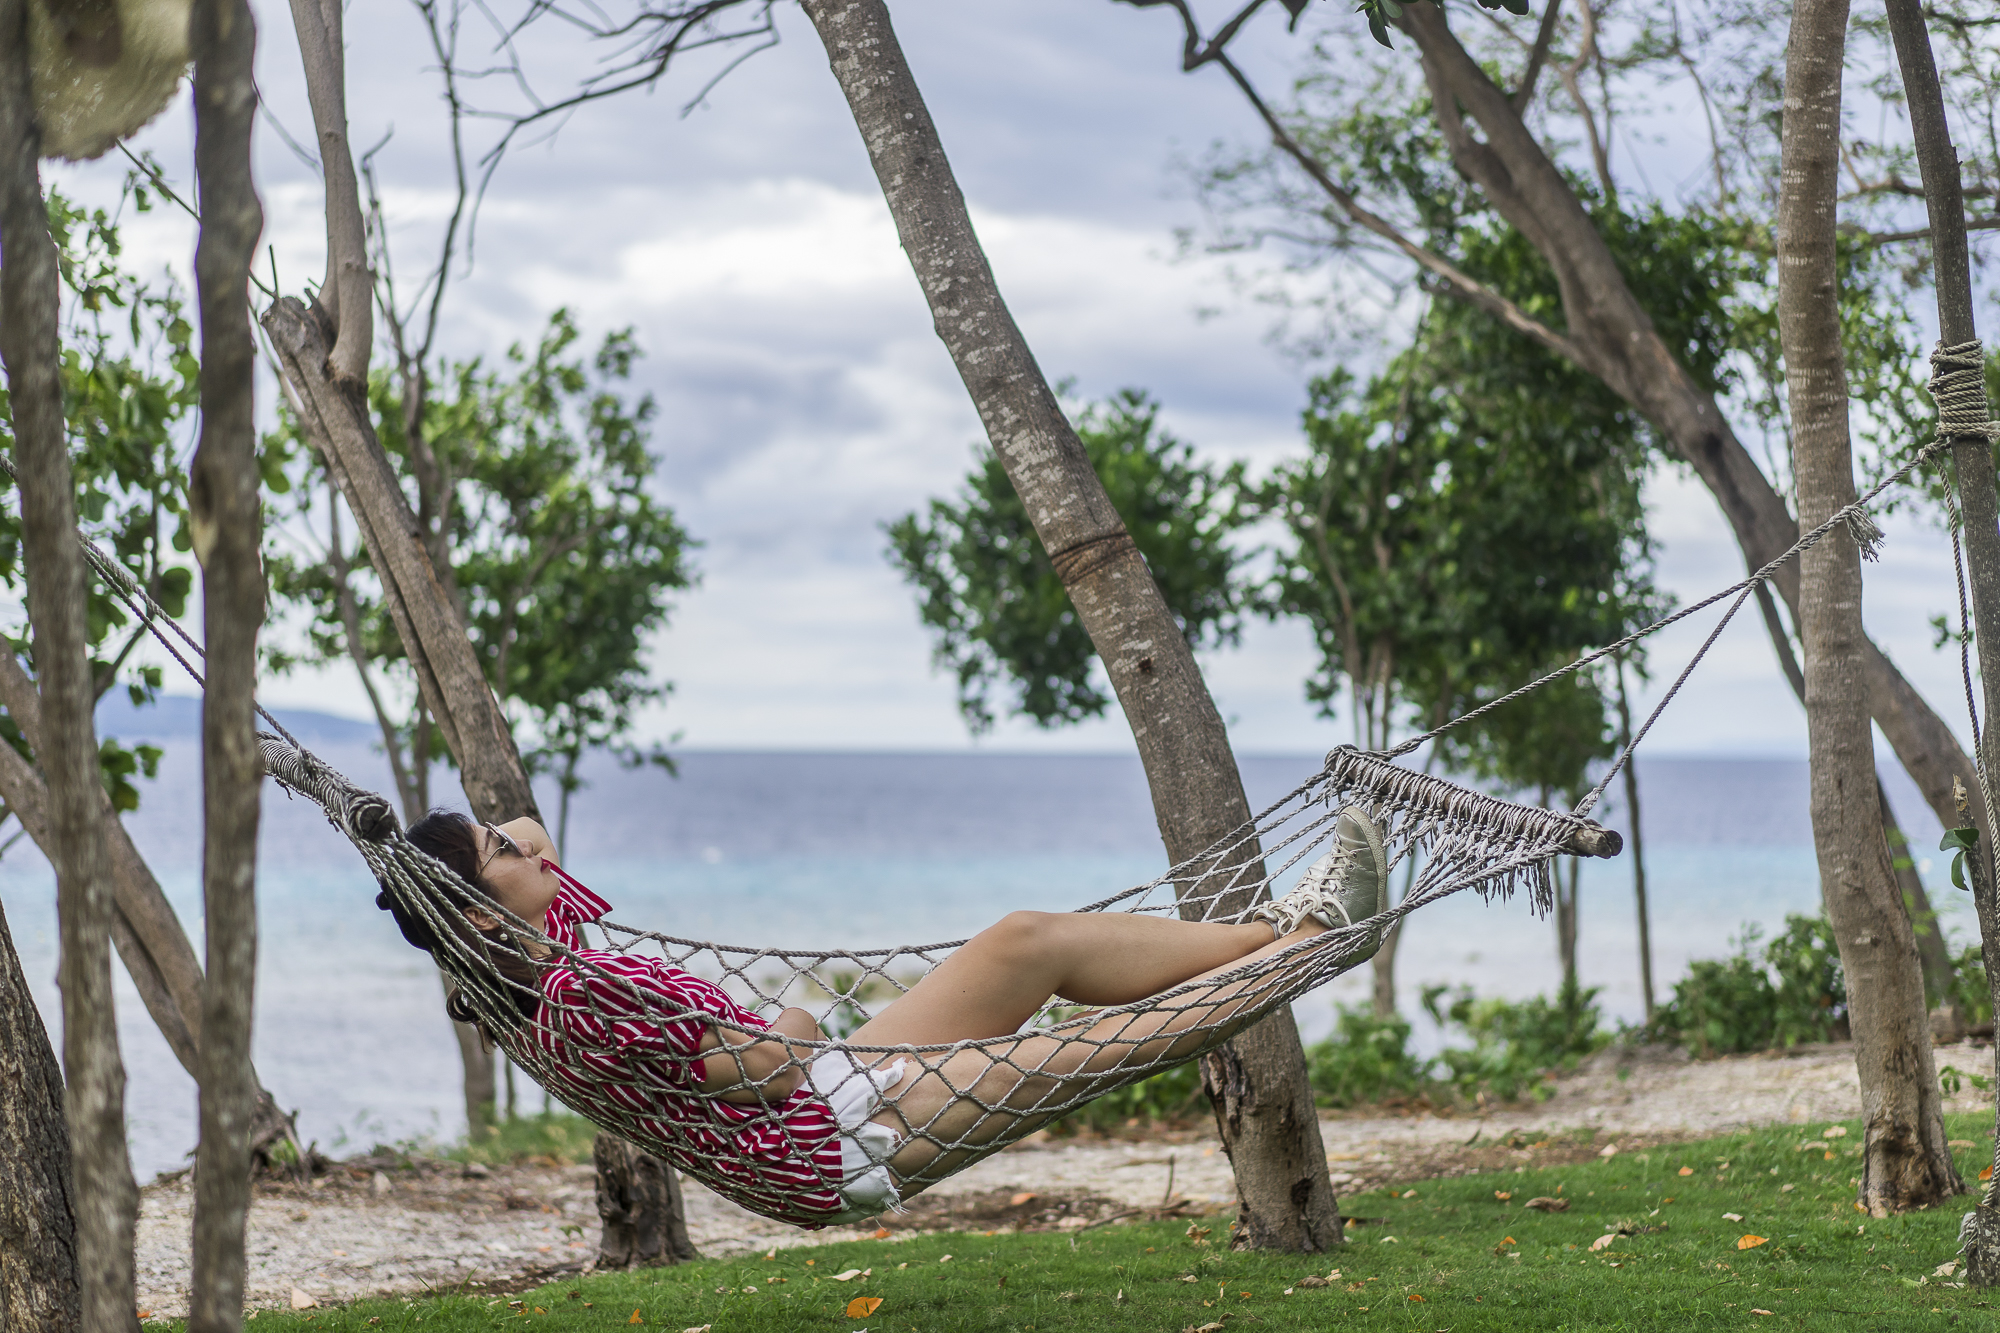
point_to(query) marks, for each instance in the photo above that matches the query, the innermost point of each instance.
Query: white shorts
(854, 1093)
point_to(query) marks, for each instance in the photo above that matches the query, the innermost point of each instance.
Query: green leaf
(1961, 840)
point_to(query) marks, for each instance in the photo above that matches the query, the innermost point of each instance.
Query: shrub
(558, 1135)
(1780, 994)
(1367, 1059)
(1516, 1043)
(1968, 986)
(1171, 1094)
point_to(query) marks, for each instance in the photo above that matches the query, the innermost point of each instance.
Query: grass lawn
(1462, 1254)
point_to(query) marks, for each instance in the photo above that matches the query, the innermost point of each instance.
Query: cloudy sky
(804, 399)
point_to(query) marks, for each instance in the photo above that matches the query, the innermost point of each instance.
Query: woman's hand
(774, 1072)
(532, 838)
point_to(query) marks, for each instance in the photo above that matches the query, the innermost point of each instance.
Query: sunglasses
(502, 842)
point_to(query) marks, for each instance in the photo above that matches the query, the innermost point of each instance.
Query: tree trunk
(1382, 994)
(225, 510)
(148, 936)
(1566, 920)
(1257, 1084)
(1980, 507)
(1611, 337)
(1636, 845)
(328, 390)
(639, 1199)
(476, 1066)
(1931, 948)
(38, 1287)
(1905, 1161)
(105, 1197)
(1932, 952)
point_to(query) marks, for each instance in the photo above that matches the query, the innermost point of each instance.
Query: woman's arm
(532, 837)
(762, 1061)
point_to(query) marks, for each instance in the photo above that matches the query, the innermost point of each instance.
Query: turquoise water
(833, 850)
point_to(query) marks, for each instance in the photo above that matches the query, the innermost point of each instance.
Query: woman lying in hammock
(821, 1137)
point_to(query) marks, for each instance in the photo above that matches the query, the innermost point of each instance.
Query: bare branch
(1924, 233)
(1545, 34)
(1599, 154)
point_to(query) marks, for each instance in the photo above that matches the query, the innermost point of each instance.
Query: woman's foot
(1348, 884)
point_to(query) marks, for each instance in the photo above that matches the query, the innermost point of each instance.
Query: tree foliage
(130, 389)
(563, 560)
(1002, 622)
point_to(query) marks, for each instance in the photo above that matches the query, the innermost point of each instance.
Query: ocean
(853, 849)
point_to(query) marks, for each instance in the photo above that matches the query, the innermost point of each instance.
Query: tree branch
(1537, 55)
(347, 293)
(1461, 284)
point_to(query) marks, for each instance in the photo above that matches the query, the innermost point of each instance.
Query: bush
(1516, 1043)
(1171, 1094)
(1780, 994)
(557, 1135)
(1968, 986)
(1367, 1059)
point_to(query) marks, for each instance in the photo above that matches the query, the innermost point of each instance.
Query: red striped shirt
(621, 1058)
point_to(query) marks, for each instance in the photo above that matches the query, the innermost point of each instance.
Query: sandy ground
(374, 1227)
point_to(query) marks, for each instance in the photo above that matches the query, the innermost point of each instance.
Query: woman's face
(518, 881)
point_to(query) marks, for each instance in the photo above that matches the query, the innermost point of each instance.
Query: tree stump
(639, 1198)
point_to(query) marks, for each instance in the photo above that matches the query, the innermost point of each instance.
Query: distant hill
(178, 717)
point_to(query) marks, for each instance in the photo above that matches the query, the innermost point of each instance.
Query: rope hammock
(1460, 839)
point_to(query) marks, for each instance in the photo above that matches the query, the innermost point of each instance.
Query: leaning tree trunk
(323, 353)
(226, 518)
(1611, 336)
(105, 1198)
(1905, 1160)
(1944, 197)
(147, 934)
(1263, 1103)
(38, 1289)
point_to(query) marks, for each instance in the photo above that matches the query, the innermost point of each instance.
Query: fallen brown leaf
(863, 1306)
(1548, 1205)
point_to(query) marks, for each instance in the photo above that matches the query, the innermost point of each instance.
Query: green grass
(1441, 1257)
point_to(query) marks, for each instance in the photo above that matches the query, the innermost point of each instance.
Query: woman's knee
(1020, 934)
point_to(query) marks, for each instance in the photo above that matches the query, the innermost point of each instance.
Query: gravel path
(366, 1230)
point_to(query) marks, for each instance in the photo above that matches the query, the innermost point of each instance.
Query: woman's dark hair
(453, 839)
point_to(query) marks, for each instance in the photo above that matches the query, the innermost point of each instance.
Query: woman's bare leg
(942, 1111)
(1004, 974)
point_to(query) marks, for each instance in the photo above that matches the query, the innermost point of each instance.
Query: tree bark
(1257, 1084)
(38, 1279)
(1979, 505)
(1905, 1161)
(639, 1200)
(105, 1197)
(226, 519)
(1611, 337)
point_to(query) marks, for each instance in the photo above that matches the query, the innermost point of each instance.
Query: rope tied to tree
(1958, 387)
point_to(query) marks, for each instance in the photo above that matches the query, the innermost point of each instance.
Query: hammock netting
(1460, 839)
